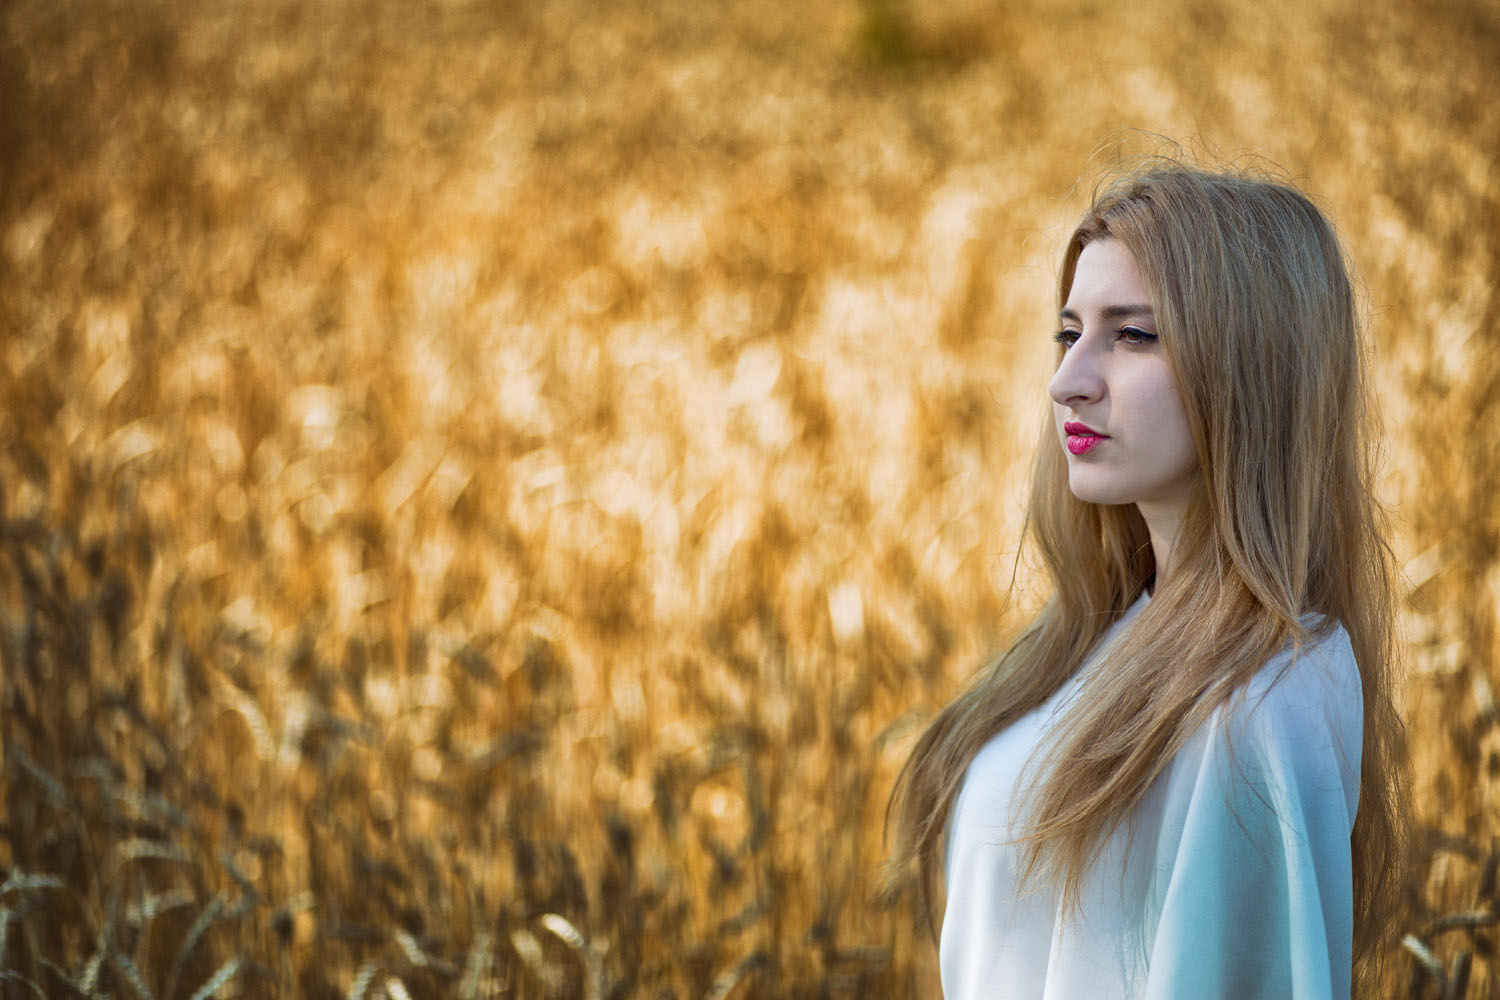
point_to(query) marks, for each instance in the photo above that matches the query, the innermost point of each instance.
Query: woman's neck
(1163, 522)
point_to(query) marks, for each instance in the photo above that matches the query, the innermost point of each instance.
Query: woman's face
(1118, 414)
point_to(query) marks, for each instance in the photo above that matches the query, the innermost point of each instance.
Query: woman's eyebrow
(1111, 312)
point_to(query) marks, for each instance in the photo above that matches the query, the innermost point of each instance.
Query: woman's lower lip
(1079, 444)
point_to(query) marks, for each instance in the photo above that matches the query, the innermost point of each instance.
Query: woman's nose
(1077, 379)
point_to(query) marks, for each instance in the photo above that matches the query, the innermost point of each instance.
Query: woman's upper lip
(1074, 427)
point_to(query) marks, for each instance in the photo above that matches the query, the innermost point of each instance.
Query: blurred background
(490, 490)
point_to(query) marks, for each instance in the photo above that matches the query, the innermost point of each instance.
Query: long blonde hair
(1259, 325)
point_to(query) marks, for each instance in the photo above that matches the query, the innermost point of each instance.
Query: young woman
(1180, 781)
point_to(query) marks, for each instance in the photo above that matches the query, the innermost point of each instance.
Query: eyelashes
(1135, 335)
(1132, 335)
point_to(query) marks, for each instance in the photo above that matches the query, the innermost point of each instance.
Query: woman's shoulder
(1317, 674)
(1303, 711)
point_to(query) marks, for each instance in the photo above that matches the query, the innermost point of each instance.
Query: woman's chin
(1089, 491)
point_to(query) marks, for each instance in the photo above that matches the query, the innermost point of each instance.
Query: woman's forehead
(1107, 281)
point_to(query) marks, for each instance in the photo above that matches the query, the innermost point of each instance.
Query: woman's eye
(1067, 338)
(1135, 335)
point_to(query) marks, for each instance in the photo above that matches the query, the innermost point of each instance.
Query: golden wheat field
(488, 489)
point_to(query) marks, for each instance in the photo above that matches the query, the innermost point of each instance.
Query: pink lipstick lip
(1082, 438)
(1082, 444)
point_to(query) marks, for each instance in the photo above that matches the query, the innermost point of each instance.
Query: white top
(1238, 880)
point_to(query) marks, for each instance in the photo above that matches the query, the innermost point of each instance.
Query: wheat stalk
(214, 983)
